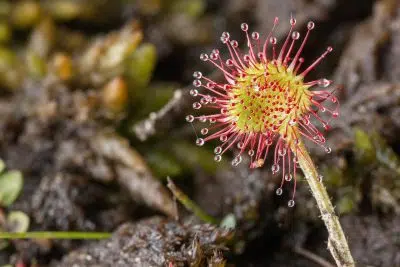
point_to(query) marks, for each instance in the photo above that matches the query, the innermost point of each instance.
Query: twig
(313, 257)
(189, 204)
(146, 128)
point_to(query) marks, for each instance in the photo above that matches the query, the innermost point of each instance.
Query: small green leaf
(10, 186)
(346, 204)
(17, 222)
(141, 66)
(364, 147)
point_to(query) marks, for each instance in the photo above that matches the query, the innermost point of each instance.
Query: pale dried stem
(337, 243)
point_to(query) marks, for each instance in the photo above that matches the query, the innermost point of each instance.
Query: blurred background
(93, 99)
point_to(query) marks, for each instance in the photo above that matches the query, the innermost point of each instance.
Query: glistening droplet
(217, 158)
(218, 150)
(196, 105)
(244, 26)
(199, 141)
(288, 177)
(197, 75)
(189, 118)
(279, 191)
(204, 131)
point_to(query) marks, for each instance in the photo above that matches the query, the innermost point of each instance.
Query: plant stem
(55, 235)
(337, 243)
(189, 204)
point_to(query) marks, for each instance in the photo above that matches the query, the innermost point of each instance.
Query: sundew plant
(266, 105)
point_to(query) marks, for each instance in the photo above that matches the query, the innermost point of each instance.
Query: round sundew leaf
(18, 222)
(10, 186)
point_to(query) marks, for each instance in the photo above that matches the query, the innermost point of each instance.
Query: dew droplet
(268, 142)
(196, 105)
(279, 191)
(234, 43)
(291, 203)
(240, 145)
(282, 152)
(210, 85)
(255, 35)
(236, 161)
(204, 131)
(244, 27)
(189, 118)
(204, 57)
(328, 149)
(193, 92)
(310, 25)
(197, 75)
(203, 118)
(217, 158)
(335, 114)
(199, 141)
(329, 49)
(324, 82)
(272, 40)
(224, 110)
(215, 51)
(275, 168)
(225, 35)
(218, 150)
(223, 138)
(203, 101)
(229, 62)
(288, 177)
(295, 35)
(251, 152)
(197, 83)
(213, 120)
(292, 21)
(214, 56)
(320, 178)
